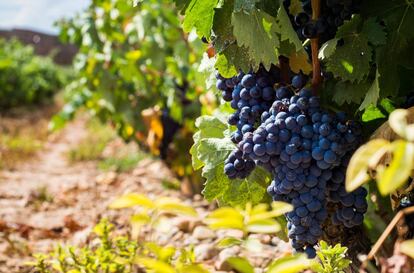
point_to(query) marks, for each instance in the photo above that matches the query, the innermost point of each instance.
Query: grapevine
(318, 59)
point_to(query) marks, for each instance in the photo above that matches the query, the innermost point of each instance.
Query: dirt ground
(74, 196)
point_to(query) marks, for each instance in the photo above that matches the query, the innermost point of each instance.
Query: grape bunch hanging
(334, 13)
(284, 129)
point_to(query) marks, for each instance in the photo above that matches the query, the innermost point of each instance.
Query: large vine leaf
(398, 16)
(236, 56)
(199, 15)
(350, 61)
(244, 5)
(346, 92)
(374, 32)
(257, 32)
(287, 32)
(222, 28)
(211, 148)
(372, 95)
(252, 189)
(225, 68)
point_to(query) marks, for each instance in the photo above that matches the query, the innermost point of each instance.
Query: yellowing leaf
(228, 242)
(154, 265)
(299, 61)
(193, 268)
(226, 218)
(240, 264)
(140, 219)
(291, 264)
(173, 205)
(357, 172)
(407, 247)
(132, 200)
(281, 207)
(263, 226)
(400, 168)
(398, 122)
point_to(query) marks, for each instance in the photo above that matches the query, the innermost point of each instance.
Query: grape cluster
(303, 145)
(350, 206)
(334, 13)
(250, 95)
(236, 166)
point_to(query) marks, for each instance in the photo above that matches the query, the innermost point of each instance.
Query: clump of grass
(16, 148)
(92, 146)
(173, 184)
(123, 163)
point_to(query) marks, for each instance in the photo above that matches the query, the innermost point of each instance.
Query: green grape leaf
(244, 5)
(372, 95)
(238, 56)
(252, 189)
(223, 30)
(209, 127)
(346, 92)
(287, 32)
(397, 14)
(225, 68)
(327, 49)
(182, 4)
(199, 15)
(388, 66)
(350, 61)
(212, 146)
(257, 32)
(374, 32)
(372, 113)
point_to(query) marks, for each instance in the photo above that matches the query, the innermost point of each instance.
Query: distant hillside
(44, 44)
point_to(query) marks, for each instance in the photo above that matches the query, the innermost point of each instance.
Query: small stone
(235, 233)
(275, 241)
(187, 224)
(106, 178)
(221, 263)
(204, 252)
(202, 233)
(262, 238)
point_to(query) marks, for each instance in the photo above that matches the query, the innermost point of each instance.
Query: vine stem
(316, 65)
(385, 235)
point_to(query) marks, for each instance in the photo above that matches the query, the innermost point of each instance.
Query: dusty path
(80, 194)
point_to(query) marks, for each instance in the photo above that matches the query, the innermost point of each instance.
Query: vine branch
(316, 65)
(385, 234)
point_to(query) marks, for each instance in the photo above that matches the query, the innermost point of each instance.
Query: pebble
(187, 224)
(221, 263)
(202, 233)
(205, 251)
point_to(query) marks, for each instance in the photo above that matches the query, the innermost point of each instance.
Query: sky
(37, 14)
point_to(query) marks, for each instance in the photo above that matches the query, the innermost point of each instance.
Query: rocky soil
(79, 194)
